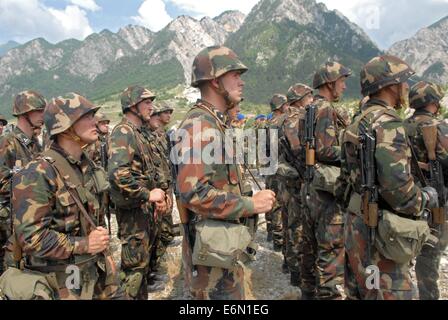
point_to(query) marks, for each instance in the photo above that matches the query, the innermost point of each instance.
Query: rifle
(436, 179)
(369, 189)
(106, 196)
(310, 147)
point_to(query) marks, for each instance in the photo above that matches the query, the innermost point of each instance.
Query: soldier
(164, 226)
(279, 107)
(299, 96)
(211, 192)
(59, 223)
(132, 174)
(425, 98)
(17, 149)
(94, 150)
(3, 123)
(322, 240)
(376, 176)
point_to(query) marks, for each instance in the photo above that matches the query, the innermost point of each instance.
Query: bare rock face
(136, 36)
(427, 52)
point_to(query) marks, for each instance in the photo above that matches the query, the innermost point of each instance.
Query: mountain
(427, 51)
(8, 46)
(284, 41)
(106, 62)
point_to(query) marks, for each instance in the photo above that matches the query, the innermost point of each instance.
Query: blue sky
(385, 21)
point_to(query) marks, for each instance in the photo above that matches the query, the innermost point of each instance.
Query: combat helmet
(102, 117)
(383, 71)
(330, 72)
(62, 113)
(278, 101)
(297, 92)
(424, 93)
(162, 107)
(28, 101)
(133, 95)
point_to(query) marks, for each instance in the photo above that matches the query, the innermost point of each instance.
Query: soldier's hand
(157, 195)
(264, 201)
(98, 240)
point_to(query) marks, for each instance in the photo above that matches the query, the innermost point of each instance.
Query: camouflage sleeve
(291, 129)
(125, 171)
(442, 143)
(34, 205)
(202, 186)
(327, 149)
(396, 183)
(342, 181)
(7, 159)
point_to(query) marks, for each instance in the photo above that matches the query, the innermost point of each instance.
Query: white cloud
(213, 8)
(153, 15)
(86, 4)
(28, 19)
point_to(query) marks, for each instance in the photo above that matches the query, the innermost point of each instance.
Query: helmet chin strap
(72, 135)
(226, 95)
(335, 95)
(137, 114)
(402, 96)
(32, 125)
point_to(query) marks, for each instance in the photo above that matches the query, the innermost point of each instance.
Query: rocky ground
(265, 280)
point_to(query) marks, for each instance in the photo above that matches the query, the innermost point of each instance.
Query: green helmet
(162, 107)
(133, 95)
(3, 120)
(278, 101)
(62, 113)
(297, 92)
(383, 71)
(102, 117)
(424, 93)
(213, 62)
(330, 72)
(28, 101)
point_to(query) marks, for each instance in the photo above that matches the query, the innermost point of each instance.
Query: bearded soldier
(17, 149)
(210, 191)
(429, 139)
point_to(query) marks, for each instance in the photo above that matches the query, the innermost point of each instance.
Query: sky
(385, 21)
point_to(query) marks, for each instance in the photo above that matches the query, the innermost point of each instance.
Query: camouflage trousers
(274, 223)
(427, 268)
(136, 234)
(292, 221)
(164, 236)
(209, 283)
(394, 279)
(5, 232)
(322, 247)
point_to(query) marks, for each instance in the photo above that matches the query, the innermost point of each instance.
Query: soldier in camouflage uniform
(279, 108)
(17, 149)
(425, 98)
(322, 240)
(52, 231)
(213, 191)
(3, 123)
(138, 203)
(94, 150)
(383, 79)
(299, 96)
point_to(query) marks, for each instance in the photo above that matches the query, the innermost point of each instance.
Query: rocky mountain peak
(231, 21)
(136, 36)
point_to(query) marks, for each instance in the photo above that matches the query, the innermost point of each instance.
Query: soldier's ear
(215, 83)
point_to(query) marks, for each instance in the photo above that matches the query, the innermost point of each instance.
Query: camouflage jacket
(16, 150)
(160, 158)
(328, 127)
(131, 169)
(209, 190)
(94, 150)
(47, 219)
(293, 129)
(414, 125)
(397, 190)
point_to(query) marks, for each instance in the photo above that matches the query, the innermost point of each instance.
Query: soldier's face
(339, 88)
(307, 100)
(145, 109)
(36, 117)
(85, 128)
(103, 127)
(234, 85)
(165, 117)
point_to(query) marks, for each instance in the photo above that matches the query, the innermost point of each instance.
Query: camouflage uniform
(163, 180)
(94, 150)
(322, 241)
(274, 218)
(16, 151)
(293, 130)
(49, 226)
(421, 95)
(132, 175)
(397, 191)
(211, 191)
